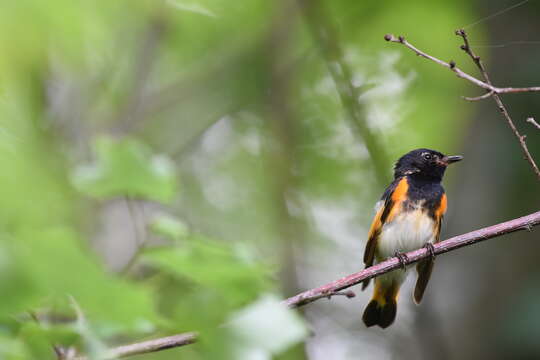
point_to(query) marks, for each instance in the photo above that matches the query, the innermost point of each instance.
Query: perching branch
(460, 73)
(456, 242)
(335, 287)
(486, 84)
(349, 294)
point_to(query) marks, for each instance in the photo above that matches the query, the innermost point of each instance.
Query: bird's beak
(452, 159)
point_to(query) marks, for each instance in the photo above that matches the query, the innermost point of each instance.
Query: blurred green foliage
(127, 168)
(106, 100)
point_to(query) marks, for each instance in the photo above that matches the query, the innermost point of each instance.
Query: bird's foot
(403, 259)
(430, 249)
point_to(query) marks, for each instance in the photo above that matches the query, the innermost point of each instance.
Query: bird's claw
(403, 259)
(431, 250)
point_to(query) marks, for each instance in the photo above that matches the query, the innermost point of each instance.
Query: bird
(408, 217)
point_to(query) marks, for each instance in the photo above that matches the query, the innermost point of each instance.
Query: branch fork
(492, 91)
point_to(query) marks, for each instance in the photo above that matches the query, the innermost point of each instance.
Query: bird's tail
(382, 308)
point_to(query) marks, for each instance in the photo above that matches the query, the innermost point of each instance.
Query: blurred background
(183, 165)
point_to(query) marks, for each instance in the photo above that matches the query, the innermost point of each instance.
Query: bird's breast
(409, 230)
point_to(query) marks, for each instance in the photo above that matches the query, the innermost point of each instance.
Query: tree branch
(456, 242)
(334, 288)
(149, 346)
(521, 138)
(486, 84)
(460, 73)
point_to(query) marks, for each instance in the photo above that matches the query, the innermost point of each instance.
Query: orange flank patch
(398, 196)
(441, 210)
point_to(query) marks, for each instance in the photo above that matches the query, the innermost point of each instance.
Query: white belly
(406, 232)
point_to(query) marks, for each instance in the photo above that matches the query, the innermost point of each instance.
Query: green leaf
(127, 167)
(214, 265)
(266, 327)
(169, 226)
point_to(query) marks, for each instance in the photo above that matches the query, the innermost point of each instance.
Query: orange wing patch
(384, 215)
(373, 236)
(374, 231)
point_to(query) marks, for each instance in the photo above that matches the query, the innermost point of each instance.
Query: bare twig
(522, 223)
(149, 346)
(476, 98)
(460, 73)
(486, 84)
(521, 138)
(349, 294)
(334, 288)
(532, 121)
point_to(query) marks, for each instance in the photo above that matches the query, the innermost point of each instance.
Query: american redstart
(408, 217)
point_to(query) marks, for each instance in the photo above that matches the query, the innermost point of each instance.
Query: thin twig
(335, 287)
(460, 73)
(149, 346)
(476, 98)
(532, 121)
(521, 138)
(349, 294)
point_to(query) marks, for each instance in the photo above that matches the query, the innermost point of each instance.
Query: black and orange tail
(382, 308)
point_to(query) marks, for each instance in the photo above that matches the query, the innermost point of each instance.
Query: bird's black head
(424, 164)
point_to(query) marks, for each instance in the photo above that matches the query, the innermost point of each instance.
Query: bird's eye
(427, 156)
